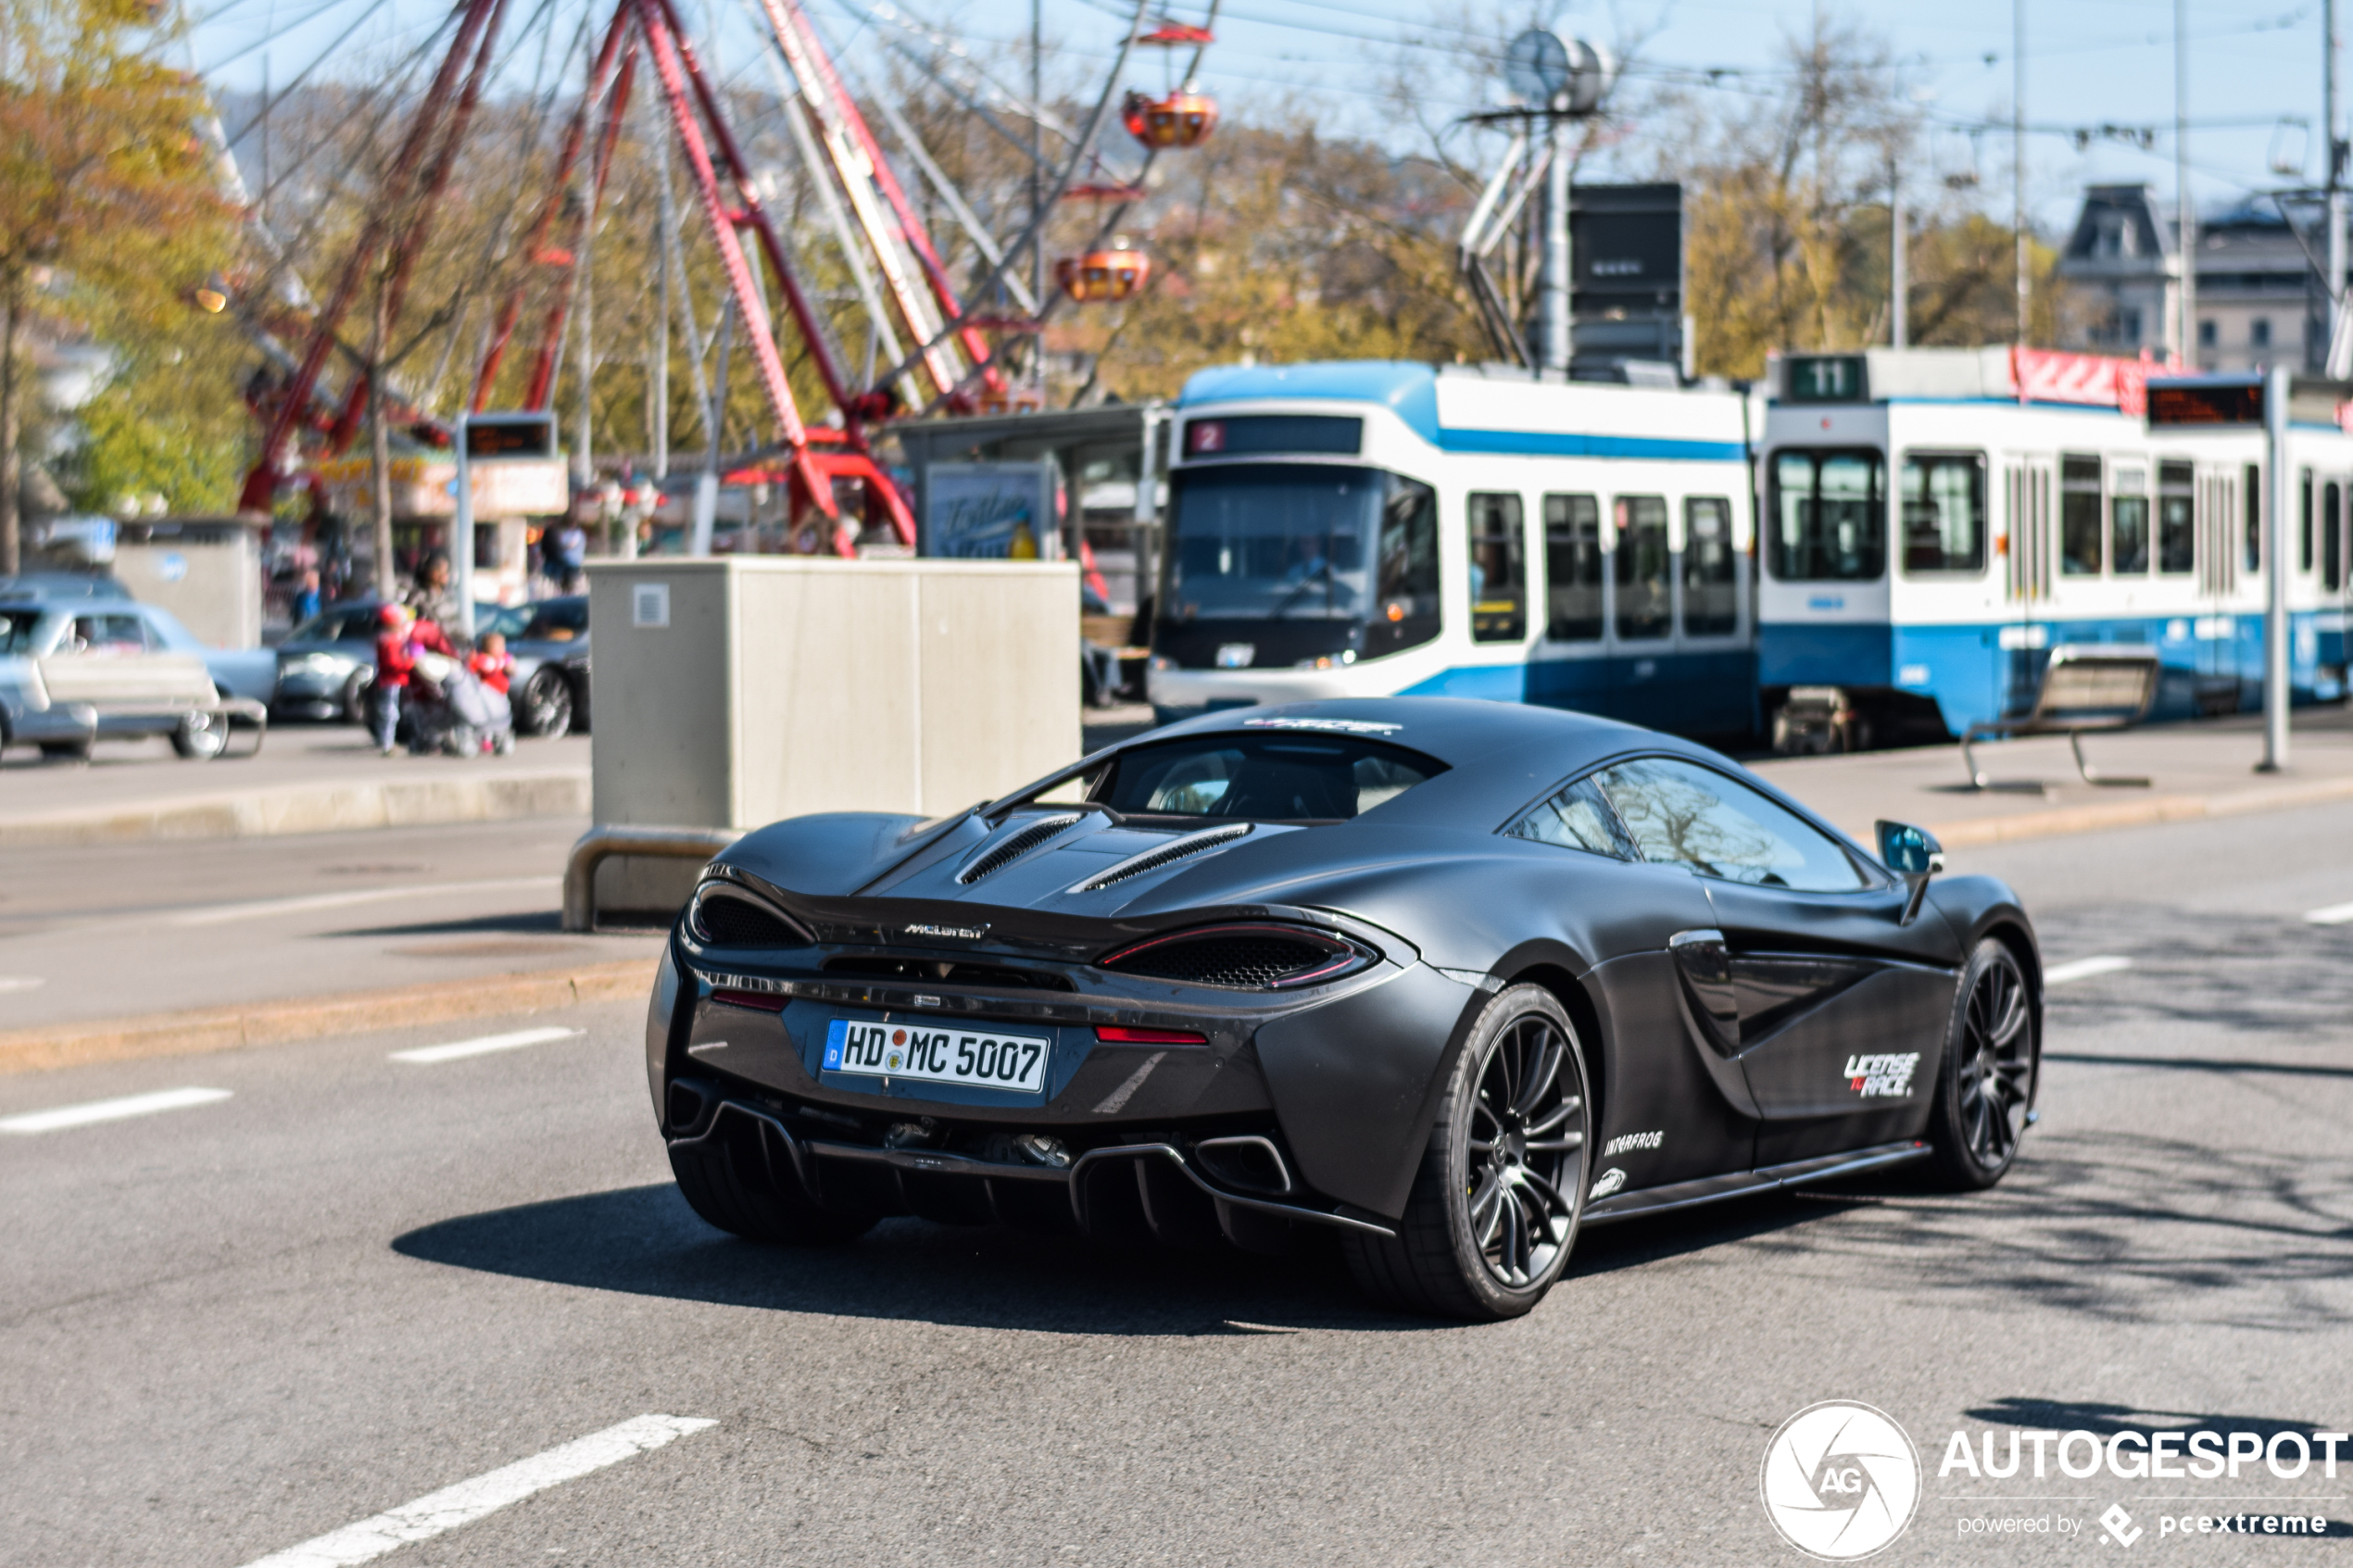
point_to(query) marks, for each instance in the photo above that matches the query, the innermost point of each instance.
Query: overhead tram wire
(271, 103)
(271, 33)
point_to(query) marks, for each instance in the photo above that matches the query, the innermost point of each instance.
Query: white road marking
(469, 1501)
(222, 914)
(109, 1109)
(2335, 914)
(2083, 969)
(484, 1046)
(21, 983)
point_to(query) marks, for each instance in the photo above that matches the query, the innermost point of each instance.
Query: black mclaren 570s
(1447, 978)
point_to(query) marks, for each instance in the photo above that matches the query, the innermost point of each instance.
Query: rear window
(17, 622)
(558, 620)
(1283, 777)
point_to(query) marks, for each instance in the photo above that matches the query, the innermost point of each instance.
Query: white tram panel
(1583, 545)
(2012, 527)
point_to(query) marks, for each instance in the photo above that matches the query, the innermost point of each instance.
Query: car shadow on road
(645, 1241)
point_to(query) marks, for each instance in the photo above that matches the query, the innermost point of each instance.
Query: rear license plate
(939, 1054)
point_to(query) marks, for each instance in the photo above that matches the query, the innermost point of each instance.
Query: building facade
(2260, 300)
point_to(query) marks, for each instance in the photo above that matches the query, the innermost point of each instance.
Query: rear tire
(742, 1182)
(355, 696)
(1985, 1085)
(200, 738)
(546, 711)
(1495, 1207)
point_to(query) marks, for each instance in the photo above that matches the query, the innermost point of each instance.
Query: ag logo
(1840, 1480)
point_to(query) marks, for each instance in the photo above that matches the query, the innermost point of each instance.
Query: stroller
(451, 711)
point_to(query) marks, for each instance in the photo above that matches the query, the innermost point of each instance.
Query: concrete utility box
(735, 691)
(207, 572)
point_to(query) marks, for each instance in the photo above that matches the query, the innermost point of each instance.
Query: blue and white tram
(1375, 529)
(1927, 536)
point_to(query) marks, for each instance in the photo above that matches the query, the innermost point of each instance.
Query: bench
(2085, 686)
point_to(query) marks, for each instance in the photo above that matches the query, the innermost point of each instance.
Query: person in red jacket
(394, 659)
(491, 663)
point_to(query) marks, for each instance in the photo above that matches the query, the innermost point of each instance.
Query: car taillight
(1253, 957)
(725, 917)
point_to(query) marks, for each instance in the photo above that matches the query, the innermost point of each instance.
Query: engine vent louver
(996, 858)
(1255, 957)
(727, 920)
(1166, 855)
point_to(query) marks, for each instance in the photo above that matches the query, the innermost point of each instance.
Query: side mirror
(1914, 855)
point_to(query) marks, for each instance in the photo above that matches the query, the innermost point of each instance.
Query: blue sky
(2089, 62)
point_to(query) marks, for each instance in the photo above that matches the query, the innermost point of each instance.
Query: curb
(322, 808)
(2147, 812)
(201, 1030)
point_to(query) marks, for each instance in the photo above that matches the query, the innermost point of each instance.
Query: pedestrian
(491, 663)
(571, 556)
(394, 659)
(306, 599)
(431, 596)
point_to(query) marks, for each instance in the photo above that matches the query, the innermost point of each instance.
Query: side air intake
(1166, 855)
(994, 858)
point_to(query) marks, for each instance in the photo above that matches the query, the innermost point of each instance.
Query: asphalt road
(232, 1327)
(106, 931)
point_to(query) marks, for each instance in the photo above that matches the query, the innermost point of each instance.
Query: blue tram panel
(1373, 528)
(1933, 521)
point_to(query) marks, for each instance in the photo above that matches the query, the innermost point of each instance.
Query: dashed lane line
(2335, 914)
(484, 1045)
(65, 1116)
(2083, 969)
(468, 1500)
(20, 981)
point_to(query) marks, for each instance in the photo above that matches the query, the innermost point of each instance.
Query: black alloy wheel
(1993, 1055)
(546, 708)
(1495, 1206)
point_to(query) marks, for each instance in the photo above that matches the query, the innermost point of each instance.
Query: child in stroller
(452, 709)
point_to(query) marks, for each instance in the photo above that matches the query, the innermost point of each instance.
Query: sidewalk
(308, 779)
(2199, 770)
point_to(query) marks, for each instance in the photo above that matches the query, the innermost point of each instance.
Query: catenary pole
(2017, 158)
(2187, 215)
(2275, 666)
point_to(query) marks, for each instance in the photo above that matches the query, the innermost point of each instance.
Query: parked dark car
(550, 684)
(1451, 978)
(326, 665)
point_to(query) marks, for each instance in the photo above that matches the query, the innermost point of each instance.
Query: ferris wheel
(946, 329)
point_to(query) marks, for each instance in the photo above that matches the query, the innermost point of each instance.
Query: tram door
(2027, 487)
(2216, 559)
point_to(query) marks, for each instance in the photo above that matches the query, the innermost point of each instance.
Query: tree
(106, 209)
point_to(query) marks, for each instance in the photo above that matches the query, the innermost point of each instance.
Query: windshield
(1828, 516)
(1299, 560)
(1281, 776)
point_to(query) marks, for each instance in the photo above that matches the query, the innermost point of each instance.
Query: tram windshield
(1286, 564)
(1829, 513)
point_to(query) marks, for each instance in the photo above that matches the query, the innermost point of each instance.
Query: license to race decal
(938, 1055)
(1882, 1077)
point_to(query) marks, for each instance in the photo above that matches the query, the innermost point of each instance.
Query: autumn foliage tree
(107, 214)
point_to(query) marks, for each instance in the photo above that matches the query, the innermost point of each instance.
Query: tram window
(2304, 551)
(1573, 568)
(1943, 512)
(2176, 518)
(1711, 607)
(1498, 568)
(1643, 596)
(2128, 512)
(2332, 539)
(2254, 494)
(2079, 517)
(1828, 516)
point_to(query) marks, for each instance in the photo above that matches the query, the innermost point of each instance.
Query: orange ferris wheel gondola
(1103, 277)
(1183, 118)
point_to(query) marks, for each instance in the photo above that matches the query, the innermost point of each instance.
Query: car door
(108, 659)
(1834, 1007)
